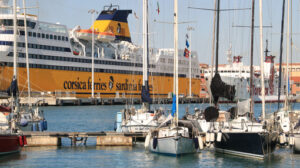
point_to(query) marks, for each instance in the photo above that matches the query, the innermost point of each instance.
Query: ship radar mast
(229, 55)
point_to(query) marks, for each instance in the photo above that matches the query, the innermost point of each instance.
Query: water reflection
(11, 157)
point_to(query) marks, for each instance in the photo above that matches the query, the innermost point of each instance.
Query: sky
(75, 12)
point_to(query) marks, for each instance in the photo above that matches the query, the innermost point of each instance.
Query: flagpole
(190, 29)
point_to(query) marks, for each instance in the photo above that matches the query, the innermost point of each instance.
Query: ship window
(51, 36)
(67, 39)
(6, 22)
(55, 37)
(58, 37)
(34, 34)
(47, 36)
(39, 35)
(29, 33)
(43, 35)
(22, 33)
(63, 38)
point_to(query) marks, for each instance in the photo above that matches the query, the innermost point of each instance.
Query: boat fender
(21, 143)
(196, 141)
(147, 140)
(34, 126)
(281, 138)
(200, 142)
(23, 122)
(45, 125)
(24, 140)
(41, 125)
(292, 140)
(212, 137)
(219, 136)
(207, 136)
(155, 141)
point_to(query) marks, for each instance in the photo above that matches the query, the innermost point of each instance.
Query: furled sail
(146, 94)
(13, 88)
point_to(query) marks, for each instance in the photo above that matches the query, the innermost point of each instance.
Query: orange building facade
(294, 70)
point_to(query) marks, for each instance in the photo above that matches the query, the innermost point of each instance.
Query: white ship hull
(173, 145)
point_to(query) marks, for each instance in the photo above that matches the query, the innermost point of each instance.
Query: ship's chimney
(113, 20)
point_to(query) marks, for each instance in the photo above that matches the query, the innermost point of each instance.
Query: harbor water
(102, 118)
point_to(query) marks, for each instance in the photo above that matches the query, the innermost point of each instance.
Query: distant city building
(294, 69)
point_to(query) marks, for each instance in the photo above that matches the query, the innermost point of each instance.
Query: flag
(187, 43)
(157, 8)
(186, 53)
(174, 105)
(135, 15)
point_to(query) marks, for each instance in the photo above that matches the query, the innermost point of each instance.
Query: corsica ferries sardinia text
(87, 85)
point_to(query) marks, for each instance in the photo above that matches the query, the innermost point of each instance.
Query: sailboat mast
(145, 41)
(287, 57)
(93, 51)
(280, 58)
(217, 40)
(262, 61)
(176, 54)
(213, 47)
(15, 37)
(26, 53)
(251, 59)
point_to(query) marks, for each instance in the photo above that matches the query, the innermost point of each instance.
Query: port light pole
(93, 11)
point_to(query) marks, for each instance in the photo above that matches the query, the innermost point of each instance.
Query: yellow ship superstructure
(60, 60)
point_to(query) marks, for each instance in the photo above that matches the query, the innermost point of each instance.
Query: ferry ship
(237, 74)
(61, 59)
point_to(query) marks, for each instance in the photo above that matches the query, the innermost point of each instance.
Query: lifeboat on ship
(87, 34)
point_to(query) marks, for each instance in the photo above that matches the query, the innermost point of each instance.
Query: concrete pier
(111, 140)
(43, 141)
(103, 138)
(73, 101)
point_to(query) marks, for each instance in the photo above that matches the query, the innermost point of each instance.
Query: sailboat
(179, 137)
(286, 116)
(10, 141)
(26, 118)
(250, 139)
(143, 119)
